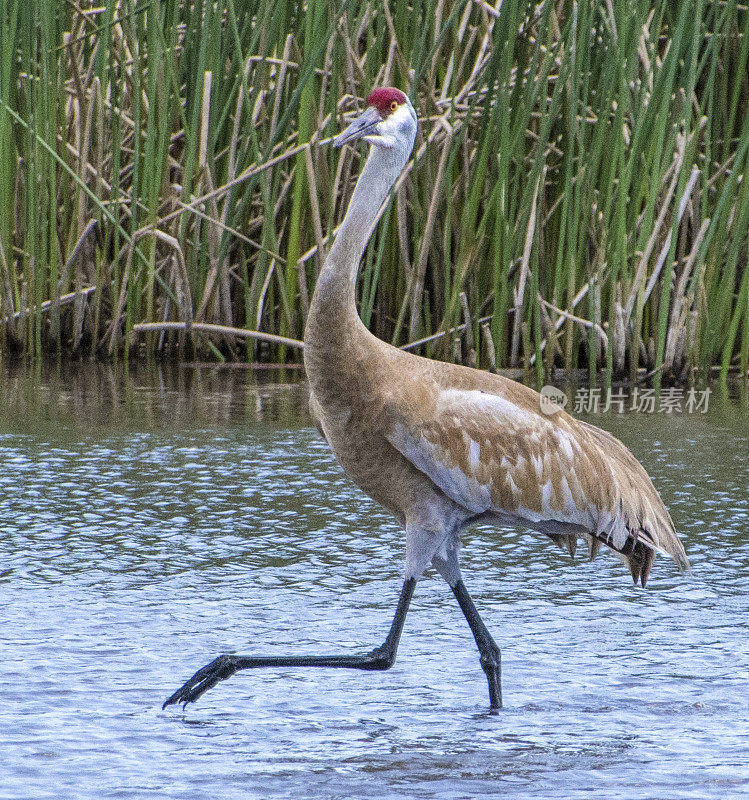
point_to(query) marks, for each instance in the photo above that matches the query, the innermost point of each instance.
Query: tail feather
(642, 518)
(567, 542)
(637, 553)
(640, 562)
(611, 501)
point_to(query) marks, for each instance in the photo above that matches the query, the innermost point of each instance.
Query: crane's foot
(491, 664)
(204, 679)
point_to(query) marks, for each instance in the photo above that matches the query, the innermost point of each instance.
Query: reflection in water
(150, 395)
(152, 520)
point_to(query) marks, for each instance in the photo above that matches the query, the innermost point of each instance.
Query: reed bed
(577, 196)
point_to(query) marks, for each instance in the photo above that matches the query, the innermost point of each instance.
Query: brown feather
(640, 562)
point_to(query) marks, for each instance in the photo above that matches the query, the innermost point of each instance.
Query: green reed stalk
(577, 173)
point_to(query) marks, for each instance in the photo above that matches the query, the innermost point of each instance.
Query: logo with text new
(552, 400)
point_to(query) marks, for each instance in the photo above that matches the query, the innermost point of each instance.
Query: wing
(492, 452)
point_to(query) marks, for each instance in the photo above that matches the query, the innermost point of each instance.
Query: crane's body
(441, 445)
(420, 437)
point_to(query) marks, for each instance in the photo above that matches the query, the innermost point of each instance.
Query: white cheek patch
(392, 129)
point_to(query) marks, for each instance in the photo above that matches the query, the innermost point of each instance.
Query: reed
(576, 198)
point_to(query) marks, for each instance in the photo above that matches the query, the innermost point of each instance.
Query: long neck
(334, 299)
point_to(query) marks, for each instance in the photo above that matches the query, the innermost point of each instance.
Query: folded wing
(498, 456)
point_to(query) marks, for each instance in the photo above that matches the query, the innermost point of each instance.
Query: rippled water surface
(154, 520)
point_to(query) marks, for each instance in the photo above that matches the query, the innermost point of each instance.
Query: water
(151, 521)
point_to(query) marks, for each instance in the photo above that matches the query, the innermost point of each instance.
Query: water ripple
(132, 553)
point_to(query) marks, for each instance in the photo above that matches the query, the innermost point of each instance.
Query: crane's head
(389, 121)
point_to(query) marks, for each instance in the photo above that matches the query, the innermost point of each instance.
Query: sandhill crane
(442, 446)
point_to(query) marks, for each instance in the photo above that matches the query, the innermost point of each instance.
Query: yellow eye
(394, 106)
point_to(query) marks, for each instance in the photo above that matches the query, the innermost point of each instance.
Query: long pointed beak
(361, 126)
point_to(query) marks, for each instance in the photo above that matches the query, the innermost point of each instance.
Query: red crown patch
(385, 100)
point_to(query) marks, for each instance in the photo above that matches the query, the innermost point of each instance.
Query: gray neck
(337, 281)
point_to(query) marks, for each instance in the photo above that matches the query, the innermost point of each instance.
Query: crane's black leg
(223, 667)
(489, 652)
